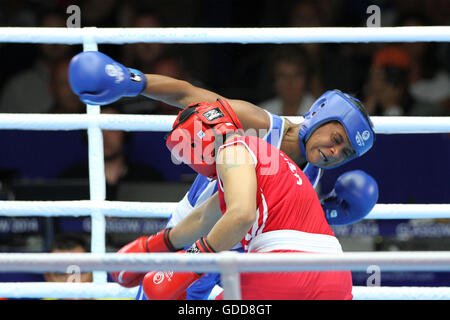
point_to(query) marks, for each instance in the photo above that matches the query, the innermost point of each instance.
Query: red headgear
(194, 133)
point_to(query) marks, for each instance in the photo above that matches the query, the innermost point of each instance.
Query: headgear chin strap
(339, 106)
(198, 131)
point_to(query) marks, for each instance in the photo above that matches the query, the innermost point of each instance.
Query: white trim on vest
(294, 240)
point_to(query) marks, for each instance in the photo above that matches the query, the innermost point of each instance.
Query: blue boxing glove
(353, 197)
(97, 79)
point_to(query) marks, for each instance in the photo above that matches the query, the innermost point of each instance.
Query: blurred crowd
(391, 78)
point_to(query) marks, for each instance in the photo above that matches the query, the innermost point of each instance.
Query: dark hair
(69, 241)
(396, 77)
(292, 55)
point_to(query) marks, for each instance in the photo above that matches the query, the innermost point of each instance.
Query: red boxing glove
(158, 285)
(156, 243)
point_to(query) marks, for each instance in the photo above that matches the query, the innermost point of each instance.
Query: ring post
(97, 183)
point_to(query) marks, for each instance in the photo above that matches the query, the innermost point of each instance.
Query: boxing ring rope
(226, 263)
(68, 290)
(224, 35)
(13, 121)
(131, 209)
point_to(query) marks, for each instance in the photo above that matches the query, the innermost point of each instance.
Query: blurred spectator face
(113, 140)
(376, 80)
(290, 81)
(68, 277)
(389, 80)
(53, 52)
(147, 52)
(437, 10)
(65, 99)
(388, 85)
(172, 68)
(389, 71)
(169, 67)
(415, 49)
(305, 14)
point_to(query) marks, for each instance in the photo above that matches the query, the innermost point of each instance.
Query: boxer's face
(328, 145)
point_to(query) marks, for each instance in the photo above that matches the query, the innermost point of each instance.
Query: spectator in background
(429, 80)
(143, 55)
(291, 76)
(35, 81)
(388, 88)
(14, 13)
(118, 168)
(13, 56)
(171, 65)
(332, 65)
(68, 243)
(307, 14)
(64, 100)
(62, 243)
(97, 13)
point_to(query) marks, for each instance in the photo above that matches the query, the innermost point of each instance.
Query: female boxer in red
(264, 201)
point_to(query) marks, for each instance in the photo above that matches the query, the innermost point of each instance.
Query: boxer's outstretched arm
(180, 93)
(98, 79)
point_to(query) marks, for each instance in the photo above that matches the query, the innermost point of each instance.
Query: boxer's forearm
(197, 224)
(178, 93)
(231, 229)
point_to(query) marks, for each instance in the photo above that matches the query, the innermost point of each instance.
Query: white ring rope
(401, 293)
(356, 261)
(13, 121)
(65, 290)
(217, 262)
(68, 290)
(84, 208)
(131, 209)
(97, 208)
(224, 35)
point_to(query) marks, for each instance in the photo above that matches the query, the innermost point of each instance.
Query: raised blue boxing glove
(97, 79)
(353, 197)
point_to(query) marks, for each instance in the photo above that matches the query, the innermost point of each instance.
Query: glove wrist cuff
(160, 242)
(201, 246)
(136, 84)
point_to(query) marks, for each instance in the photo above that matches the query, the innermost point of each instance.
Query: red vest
(285, 198)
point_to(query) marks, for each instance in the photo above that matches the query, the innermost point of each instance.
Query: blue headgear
(339, 106)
